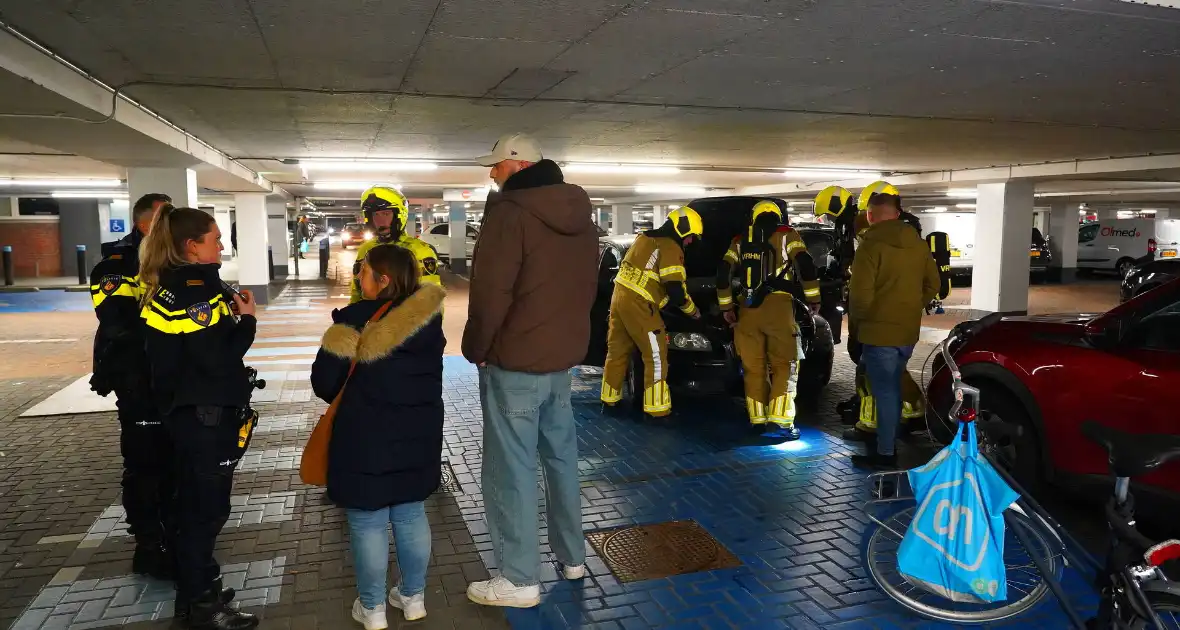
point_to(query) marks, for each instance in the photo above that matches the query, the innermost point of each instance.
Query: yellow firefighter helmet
(878, 187)
(832, 201)
(687, 222)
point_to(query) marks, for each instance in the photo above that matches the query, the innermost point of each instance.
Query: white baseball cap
(514, 146)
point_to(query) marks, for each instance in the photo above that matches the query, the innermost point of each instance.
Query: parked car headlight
(368, 235)
(690, 341)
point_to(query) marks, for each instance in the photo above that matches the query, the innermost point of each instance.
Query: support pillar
(178, 183)
(603, 216)
(621, 217)
(225, 224)
(458, 245)
(1063, 240)
(1004, 214)
(253, 269)
(276, 233)
(659, 214)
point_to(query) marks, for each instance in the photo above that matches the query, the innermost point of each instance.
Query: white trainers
(370, 618)
(498, 591)
(574, 572)
(413, 608)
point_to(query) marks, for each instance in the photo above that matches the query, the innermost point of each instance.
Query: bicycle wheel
(1167, 606)
(1026, 586)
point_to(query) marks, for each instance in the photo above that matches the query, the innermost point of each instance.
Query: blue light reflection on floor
(45, 302)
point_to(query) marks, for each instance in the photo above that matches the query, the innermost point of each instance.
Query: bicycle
(1134, 592)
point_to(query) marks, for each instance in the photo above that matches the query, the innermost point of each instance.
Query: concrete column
(225, 224)
(603, 216)
(1063, 239)
(999, 281)
(659, 214)
(178, 183)
(458, 247)
(79, 224)
(621, 219)
(276, 233)
(253, 272)
(9, 206)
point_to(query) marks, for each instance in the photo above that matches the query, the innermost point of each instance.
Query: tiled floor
(791, 513)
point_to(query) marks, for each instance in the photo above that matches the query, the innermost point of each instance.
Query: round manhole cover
(662, 550)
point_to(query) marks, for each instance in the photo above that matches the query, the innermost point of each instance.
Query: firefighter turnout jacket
(427, 261)
(653, 269)
(195, 344)
(785, 250)
(119, 360)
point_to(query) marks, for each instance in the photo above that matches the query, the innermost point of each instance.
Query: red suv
(1048, 374)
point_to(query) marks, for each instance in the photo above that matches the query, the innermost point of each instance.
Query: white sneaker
(498, 591)
(370, 618)
(413, 608)
(574, 572)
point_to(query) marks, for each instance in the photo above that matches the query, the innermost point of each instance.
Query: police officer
(195, 346)
(765, 333)
(387, 213)
(120, 366)
(650, 278)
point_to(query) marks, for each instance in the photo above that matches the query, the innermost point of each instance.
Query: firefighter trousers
(635, 323)
(149, 476)
(766, 338)
(913, 407)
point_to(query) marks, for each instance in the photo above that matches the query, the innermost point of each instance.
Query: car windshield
(353, 227)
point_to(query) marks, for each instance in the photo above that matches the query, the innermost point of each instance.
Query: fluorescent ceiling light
(347, 185)
(936, 209)
(831, 172)
(366, 165)
(964, 205)
(962, 193)
(67, 183)
(670, 189)
(637, 169)
(88, 194)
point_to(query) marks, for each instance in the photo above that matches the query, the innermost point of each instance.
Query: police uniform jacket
(195, 345)
(387, 436)
(119, 359)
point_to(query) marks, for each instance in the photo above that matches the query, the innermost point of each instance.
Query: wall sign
(118, 226)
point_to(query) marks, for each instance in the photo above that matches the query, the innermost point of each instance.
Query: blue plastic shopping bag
(304, 246)
(955, 544)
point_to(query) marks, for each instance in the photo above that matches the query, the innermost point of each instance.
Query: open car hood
(1056, 318)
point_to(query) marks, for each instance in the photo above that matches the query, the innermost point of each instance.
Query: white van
(1119, 245)
(960, 230)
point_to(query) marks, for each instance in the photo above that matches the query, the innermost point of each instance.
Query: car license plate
(1168, 253)
(956, 253)
(1035, 254)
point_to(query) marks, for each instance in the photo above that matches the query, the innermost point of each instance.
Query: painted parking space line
(12, 341)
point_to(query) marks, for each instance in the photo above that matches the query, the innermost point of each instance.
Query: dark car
(1039, 256)
(701, 356)
(1148, 276)
(1048, 374)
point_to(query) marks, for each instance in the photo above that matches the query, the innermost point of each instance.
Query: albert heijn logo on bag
(959, 531)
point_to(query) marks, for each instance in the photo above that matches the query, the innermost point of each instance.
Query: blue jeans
(526, 415)
(883, 367)
(369, 533)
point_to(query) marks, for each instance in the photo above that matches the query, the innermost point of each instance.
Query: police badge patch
(110, 283)
(431, 266)
(201, 313)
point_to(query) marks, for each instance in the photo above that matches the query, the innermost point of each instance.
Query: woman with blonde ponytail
(195, 345)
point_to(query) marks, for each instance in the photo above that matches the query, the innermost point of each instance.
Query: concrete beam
(57, 94)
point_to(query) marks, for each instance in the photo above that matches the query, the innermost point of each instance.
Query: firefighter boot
(210, 612)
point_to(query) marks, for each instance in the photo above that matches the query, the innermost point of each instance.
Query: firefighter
(863, 404)
(765, 333)
(120, 366)
(387, 213)
(651, 277)
(839, 207)
(195, 345)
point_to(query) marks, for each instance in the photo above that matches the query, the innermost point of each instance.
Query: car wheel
(1124, 266)
(1021, 456)
(814, 373)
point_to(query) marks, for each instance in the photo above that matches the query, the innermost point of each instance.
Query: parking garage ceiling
(896, 85)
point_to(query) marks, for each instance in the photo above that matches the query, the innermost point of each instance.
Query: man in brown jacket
(892, 278)
(534, 279)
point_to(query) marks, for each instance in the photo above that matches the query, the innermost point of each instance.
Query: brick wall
(36, 247)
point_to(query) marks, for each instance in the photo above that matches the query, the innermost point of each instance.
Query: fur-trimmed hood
(377, 340)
